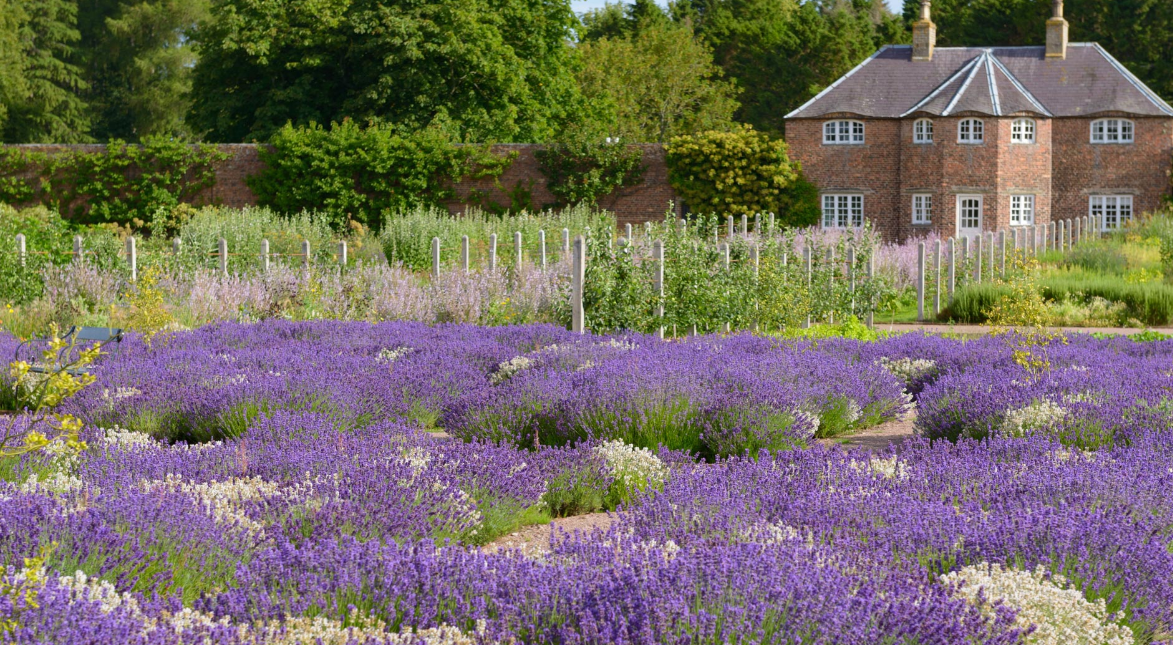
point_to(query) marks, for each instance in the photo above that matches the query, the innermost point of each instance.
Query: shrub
(122, 184)
(582, 172)
(364, 174)
(742, 171)
(1100, 256)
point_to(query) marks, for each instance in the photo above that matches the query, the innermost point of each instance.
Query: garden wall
(647, 201)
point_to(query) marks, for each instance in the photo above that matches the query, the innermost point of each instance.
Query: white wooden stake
(577, 278)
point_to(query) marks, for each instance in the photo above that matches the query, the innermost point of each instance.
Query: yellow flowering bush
(742, 171)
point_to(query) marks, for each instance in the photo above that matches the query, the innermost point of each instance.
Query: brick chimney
(1057, 32)
(924, 34)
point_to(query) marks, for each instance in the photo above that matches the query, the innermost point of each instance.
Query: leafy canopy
(497, 70)
(743, 171)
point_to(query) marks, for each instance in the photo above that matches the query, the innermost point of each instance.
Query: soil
(537, 539)
(879, 437)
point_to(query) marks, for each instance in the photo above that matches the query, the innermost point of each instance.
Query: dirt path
(879, 437)
(536, 539)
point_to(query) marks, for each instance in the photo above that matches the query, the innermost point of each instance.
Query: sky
(585, 5)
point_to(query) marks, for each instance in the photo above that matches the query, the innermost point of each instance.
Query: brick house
(960, 140)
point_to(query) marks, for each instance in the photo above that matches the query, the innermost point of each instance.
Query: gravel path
(879, 437)
(536, 539)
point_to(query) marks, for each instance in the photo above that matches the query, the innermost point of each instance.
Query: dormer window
(1022, 131)
(842, 132)
(922, 131)
(971, 131)
(1113, 131)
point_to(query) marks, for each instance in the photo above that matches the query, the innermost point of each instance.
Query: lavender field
(333, 482)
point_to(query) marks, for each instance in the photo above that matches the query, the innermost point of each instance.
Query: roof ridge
(838, 82)
(965, 86)
(994, 101)
(1019, 86)
(940, 88)
(1140, 85)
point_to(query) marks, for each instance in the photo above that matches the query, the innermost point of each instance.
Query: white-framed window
(843, 132)
(1022, 131)
(922, 209)
(1113, 131)
(971, 131)
(922, 131)
(1022, 210)
(842, 211)
(1111, 211)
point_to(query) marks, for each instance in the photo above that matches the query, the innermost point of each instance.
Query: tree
(12, 84)
(659, 83)
(46, 106)
(742, 171)
(491, 69)
(782, 52)
(138, 62)
(616, 20)
(1137, 32)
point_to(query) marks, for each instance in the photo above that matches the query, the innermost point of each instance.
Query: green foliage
(43, 105)
(730, 172)
(1100, 256)
(120, 184)
(47, 238)
(783, 52)
(406, 236)
(243, 229)
(497, 70)
(851, 328)
(799, 204)
(138, 62)
(352, 173)
(582, 172)
(1148, 303)
(656, 83)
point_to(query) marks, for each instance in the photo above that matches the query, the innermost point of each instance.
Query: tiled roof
(994, 81)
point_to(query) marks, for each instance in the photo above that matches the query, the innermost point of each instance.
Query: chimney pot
(1057, 32)
(924, 34)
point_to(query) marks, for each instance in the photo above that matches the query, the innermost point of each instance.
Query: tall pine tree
(47, 106)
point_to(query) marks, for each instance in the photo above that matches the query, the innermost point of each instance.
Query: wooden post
(342, 253)
(565, 243)
(305, 254)
(1069, 233)
(952, 268)
(1062, 226)
(464, 253)
(21, 251)
(770, 225)
(851, 274)
(435, 258)
(1075, 235)
(990, 242)
(744, 225)
(977, 264)
(937, 292)
(577, 277)
(871, 274)
(265, 255)
(806, 259)
(627, 230)
(176, 246)
(517, 251)
(223, 249)
(658, 286)
(729, 221)
(493, 252)
(1002, 255)
(77, 250)
(831, 279)
(542, 246)
(920, 282)
(132, 258)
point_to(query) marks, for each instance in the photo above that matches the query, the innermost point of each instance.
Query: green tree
(12, 84)
(658, 83)
(782, 52)
(494, 69)
(742, 171)
(138, 62)
(47, 106)
(617, 20)
(1137, 32)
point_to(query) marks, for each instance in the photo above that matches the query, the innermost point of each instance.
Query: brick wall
(647, 201)
(1061, 169)
(1140, 169)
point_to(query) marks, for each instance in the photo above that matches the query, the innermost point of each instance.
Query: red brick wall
(647, 201)
(1140, 169)
(1060, 169)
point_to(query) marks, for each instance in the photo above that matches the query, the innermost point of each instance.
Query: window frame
(1117, 202)
(1023, 216)
(922, 135)
(979, 131)
(854, 128)
(922, 209)
(1123, 126)
(1025, 124)
(843, 214)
